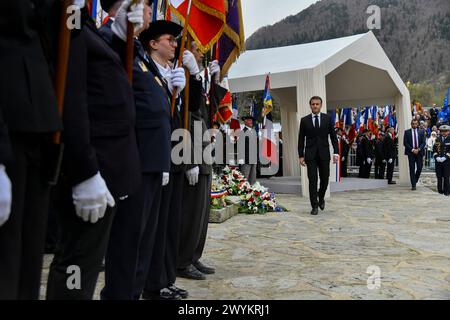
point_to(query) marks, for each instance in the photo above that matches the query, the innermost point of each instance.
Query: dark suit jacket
(99, 115)
(27, 100)
(408, 142)
(316, 138)
(367, 149)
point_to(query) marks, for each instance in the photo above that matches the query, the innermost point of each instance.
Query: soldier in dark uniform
(137, 220)
(380, 162)
(101, 162)
(156, 269)
(441, 153)
(390, 154)
(367, 155)
(28, 117)
(345, 148)
(196, 201)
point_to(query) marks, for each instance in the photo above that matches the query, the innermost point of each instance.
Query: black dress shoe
(190, 272)
(322, 204)
(181, 292)
(163, 294)
(392, 182)
(204, 269)
(314, 211)
(413, 188)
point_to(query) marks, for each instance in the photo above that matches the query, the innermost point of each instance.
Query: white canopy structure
(346, 72)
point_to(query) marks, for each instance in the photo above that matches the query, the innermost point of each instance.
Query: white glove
(177, 80)
(192, 176)
(214, 70)
(91, 197)
(5, 196)
(440, 159)
(79, 3)
(135, 15)
(390, 160)
(165, 179)
(369, 161)
(190, 63)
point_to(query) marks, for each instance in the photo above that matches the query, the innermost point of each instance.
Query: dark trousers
(344, 165)
(195, 219)
(380, 168)
(364, 170)
(390, 170)
(163, 260)
(443, 174)
(81, 244)
(22, 237)
(324, 173)
(415, 168)
(126, 237)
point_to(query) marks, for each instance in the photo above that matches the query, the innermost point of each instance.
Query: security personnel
(390, 153)
(196, 199)
(101, 163)
(367, 155)
(28, 117)
(153, 276)
(441, 153)
(380, 162)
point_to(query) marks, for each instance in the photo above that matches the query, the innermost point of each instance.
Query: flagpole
(180, 56)
(129, 48)
(186, 90)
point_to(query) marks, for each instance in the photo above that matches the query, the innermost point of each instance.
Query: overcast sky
(259, 13)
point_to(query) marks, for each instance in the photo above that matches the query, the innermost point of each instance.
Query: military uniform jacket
(441, 148)
(390, 148)
(367, 149)
(198, 111)
(99, 115)
(27, 100)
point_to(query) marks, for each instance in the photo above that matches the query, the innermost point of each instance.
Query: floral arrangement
(218, 193)
(254, 198)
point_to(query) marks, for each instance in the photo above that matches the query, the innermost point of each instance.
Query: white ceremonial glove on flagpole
(190, 63)
(192, 175)
(5, 195)
(214, 70)
(177, 80)
(165, 179)
(91, 197)
(79, 3)
(135, 16)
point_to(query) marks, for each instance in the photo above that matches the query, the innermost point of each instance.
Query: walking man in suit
(414, 143)
(315, 128)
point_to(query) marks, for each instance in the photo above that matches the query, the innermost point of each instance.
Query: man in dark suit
(101, 164)
(315, 153)
(390, 153)
(414, 143)
(28, 117)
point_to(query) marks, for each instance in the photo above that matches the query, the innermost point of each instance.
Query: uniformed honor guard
(390, 153)
(249, 163)
(380, 162)
(367, 155)
(154, 276)
(441, 154)
(28, 117)
(196, 198)
(101, 161)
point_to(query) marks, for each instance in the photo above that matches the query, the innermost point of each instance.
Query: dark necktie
(316, 121)
(415, 139)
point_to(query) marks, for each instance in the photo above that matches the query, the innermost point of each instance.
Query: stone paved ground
(298, 256)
